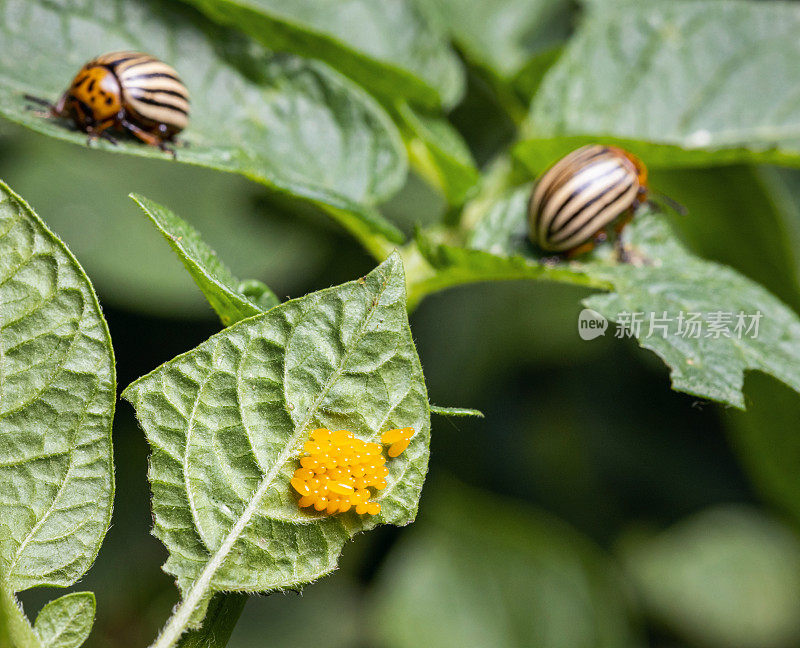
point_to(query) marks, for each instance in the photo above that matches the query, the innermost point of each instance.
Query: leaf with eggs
(227, 420)
(385, 45)
(296, 126)
(663, 278)
(57, 396)
(679, 83)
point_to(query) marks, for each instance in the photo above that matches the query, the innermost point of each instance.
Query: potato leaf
(684, 78)
(57, 396)
(294, 125)
(438, 153)
(663, 281)
(226, 422)
(385, 45)
(502, 36)
(224, 292)
(67, 621)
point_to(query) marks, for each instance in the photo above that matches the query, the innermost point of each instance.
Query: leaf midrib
(178, 622)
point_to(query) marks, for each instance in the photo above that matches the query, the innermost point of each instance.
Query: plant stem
(14, 624)
(223, 613)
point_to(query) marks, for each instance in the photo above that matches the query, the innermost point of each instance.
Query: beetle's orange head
(97, 91)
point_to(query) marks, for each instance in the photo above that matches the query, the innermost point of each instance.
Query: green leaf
(385, 45)
(57, 389)
(728, 577)
(502, 36)
(766, 443)
(226, 422)
(478, 571)
(539, 153)
(211, 275)
(761, 244)
(687, 76)
(295, 126)
(664, 277)
(458, 412)
(57, 396)
(439, 153)
(764, 436)
(67, 621)
(256, 237)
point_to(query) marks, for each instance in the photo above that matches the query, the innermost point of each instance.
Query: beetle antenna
(38, 100)
(663, 199)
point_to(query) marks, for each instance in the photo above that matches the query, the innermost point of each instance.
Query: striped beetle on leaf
(129, 91)
(582, 194)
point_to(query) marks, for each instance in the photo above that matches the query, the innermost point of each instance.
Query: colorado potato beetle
(582, 194)
(129, 91)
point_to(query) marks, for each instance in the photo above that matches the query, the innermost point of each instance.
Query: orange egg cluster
(338, 470)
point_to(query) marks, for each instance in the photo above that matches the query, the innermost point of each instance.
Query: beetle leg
(147, 138)
(108, 137)
(551, 261)
(52, 109)
(40, 102)
(581, 249)
(622, 252)
(168, 149)
(98, 131)
(623, 221)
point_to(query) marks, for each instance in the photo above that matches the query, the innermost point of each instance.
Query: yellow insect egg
(360, 496)
(392, 436)
(341, 488)
(320, 434)
(300, 486)
(341, 437)
(396, 449)
(304, 474)
(397, 440)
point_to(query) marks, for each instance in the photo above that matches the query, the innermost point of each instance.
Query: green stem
(422, 278)
(220, 620)
(14, 625)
